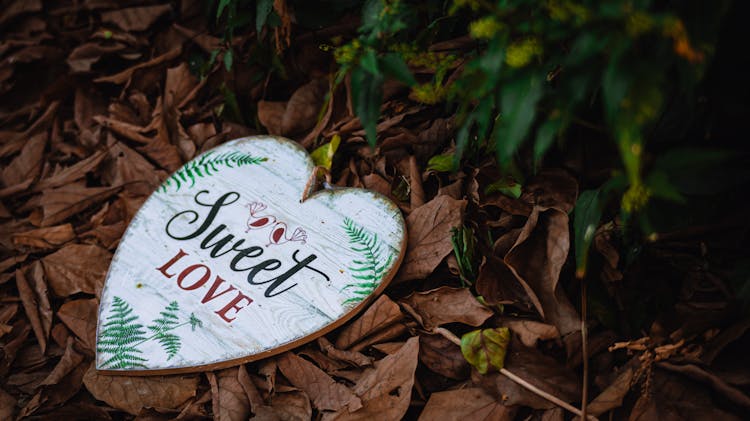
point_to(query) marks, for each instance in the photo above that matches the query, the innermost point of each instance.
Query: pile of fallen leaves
(101, 101)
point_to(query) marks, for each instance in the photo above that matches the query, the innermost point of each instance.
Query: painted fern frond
(371, 266)
(161, 327)
(120, 336)
(207, 165)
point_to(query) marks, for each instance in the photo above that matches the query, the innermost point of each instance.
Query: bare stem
(521, 382)
(584, 351)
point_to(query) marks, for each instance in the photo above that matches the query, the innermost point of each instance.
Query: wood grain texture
(155, 322)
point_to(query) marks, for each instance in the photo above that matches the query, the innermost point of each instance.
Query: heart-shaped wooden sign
(226, 263)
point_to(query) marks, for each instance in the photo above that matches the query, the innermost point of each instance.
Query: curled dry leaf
(531, 331)
(447, 305)
(290, 406)
(302, 110)
(136, 18)
(33, 292)
(230, 403)
(270, 115)
(552, 188)
(385, 390)
(498, 283)
(28, 164)
(538, 257)
(325, 393)
(466, 404)
(131, 394)
(77, 268)
(80, 317)
(429, 228)
(62, 203)
(441, 356)
(381, 314)
(45, 238)
(7, 405)
(613, 395)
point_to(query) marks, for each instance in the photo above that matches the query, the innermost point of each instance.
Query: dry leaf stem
(523, 383)
(584, 351)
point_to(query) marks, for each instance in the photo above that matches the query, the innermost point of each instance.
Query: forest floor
(100, 104)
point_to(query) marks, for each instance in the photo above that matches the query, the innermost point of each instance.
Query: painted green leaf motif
(207, 165)
(161, 327)
(371, 266)
(120, 336)
(485, 348)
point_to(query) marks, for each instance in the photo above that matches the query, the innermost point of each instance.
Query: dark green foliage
(120, 336)
(373, 264)
(207, 165)
(160, 328)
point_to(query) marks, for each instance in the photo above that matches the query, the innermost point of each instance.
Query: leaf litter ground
(101, 104)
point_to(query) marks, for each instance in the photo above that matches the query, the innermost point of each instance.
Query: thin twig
(584, 350)
(521, 382)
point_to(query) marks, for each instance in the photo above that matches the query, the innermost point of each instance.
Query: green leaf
(222, 5)
(262, 10)
(506, 186)
(323, 155)
(441, 163)
(369, 61)
(228, 59)
(544, 137)
(518, 107)
(486, 348)
(659, 186)
(367, 93)
(393, 65)
(588, 213)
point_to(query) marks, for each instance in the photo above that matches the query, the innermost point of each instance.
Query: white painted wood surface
(344, 229)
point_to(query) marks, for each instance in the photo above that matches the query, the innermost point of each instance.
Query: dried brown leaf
(530, 331)
(270, 115)
(61, 203)
(7, 405)
(80, 317)
(466, 404)
(77, 268)
(125, 75)
(28, 164)
(131, 394)
(536, 368)
(230, 403)
(552, 188)
(302, 110)
(85, 55)
(613, 395)
(352, 357)
(429, 228)
(72, 173)
(324, 392)
(69, 361)
(443, 357)
(498, 283)
(538, 257)
(447, 305)
(385, 390)
(291, 406)
(379, 315)
(45, 238)
(136, 18)
(33, 292)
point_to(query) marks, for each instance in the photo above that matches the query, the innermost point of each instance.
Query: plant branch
(521, 382)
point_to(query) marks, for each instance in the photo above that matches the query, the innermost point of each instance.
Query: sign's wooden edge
(307, 195)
